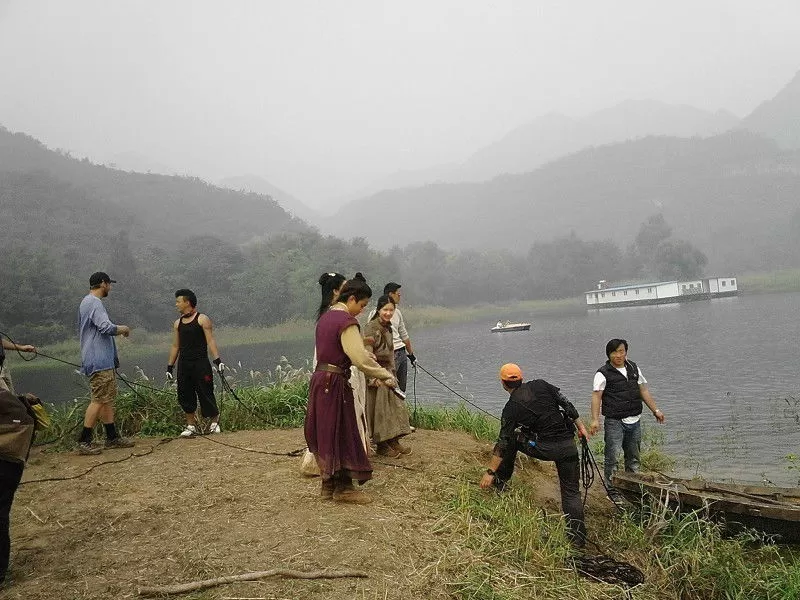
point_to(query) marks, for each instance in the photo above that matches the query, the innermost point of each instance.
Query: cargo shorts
(103, 385)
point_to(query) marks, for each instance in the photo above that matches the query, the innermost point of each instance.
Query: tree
(678, 259)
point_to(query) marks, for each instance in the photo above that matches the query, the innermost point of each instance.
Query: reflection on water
(725, 373)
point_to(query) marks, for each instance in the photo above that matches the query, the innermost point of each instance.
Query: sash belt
(329, 368)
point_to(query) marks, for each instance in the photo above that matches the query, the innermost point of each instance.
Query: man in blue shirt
(99, 361)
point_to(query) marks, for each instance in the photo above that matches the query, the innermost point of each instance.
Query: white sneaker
(214, 428)
(189, 431)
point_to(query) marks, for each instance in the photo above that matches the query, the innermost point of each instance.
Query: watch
(490, 472)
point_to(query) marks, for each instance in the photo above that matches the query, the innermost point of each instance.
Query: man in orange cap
(540, 422)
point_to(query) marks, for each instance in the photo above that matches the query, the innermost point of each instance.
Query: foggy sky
(321, 97)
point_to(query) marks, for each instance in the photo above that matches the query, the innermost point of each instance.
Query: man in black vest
(540, 422)
(192, 340)
(619, 390)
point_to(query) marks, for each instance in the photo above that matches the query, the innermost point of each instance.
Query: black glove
(219, 364)
(412, 358)
(170, 368)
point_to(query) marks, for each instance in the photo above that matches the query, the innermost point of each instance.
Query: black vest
(622, 397)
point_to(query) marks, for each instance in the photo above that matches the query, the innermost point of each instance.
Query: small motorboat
(774, 511)
(507, 326)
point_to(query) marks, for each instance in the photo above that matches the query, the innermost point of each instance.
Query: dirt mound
(193, 509)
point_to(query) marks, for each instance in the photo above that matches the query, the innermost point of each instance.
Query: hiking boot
(351, 495)
(88, 449)
(189, 431)
(120, 442)
(214, 428)
(398, 447)
(326, 491)
(385, 449)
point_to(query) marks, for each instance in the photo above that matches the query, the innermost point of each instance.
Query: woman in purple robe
(331, 429)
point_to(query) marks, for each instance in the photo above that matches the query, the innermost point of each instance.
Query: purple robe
(331, 429)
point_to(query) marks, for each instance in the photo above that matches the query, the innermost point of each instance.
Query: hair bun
(360, 276)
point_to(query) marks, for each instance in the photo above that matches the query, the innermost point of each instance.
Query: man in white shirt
(619, 389)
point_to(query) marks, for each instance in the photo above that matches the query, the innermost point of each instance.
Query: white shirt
(599, 385)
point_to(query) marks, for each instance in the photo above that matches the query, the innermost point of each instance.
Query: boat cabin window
(723, 283)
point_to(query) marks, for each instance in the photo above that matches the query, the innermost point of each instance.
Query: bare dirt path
(193, 509)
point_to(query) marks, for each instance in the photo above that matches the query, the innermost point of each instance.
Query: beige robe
(387, 415)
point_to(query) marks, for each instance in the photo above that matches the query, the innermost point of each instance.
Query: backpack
(17, 427)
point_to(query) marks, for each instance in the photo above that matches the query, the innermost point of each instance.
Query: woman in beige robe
(387, 415)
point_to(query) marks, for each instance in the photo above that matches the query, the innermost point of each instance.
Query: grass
(265, 400)
(784, 280)
(428, 316)
(503, 547)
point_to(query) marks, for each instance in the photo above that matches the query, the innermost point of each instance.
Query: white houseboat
(663, 292)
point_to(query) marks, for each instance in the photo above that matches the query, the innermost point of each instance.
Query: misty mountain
(779, 118)
(259, 185)
(153, 209)
(134, 161)
(731, 195)
(554, 135)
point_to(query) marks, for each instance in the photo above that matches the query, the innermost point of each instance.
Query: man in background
(402, 342)
(619, 389)
(99, 361)
(192, 339)
(539, 421)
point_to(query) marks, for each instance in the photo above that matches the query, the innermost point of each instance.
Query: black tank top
(192, 340)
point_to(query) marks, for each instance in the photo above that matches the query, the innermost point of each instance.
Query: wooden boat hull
(772, 510)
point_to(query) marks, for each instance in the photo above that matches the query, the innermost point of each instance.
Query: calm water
(724, 372)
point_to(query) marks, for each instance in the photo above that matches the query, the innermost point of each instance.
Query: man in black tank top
(192, 340)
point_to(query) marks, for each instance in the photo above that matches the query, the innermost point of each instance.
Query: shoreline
(145, 344)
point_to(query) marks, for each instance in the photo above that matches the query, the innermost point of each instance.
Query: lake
(725, 372)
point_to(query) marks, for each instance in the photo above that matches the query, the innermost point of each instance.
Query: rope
(414, 389)
(251, 411)
(588, 468)
(606, 569)
(292, 453)
(105, 462)
(443, 384)
(10, 339)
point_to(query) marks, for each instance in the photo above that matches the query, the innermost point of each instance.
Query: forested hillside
(167, 208)
(66, 218)
(734, 196)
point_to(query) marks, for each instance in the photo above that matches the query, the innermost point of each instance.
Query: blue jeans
(619, 436)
